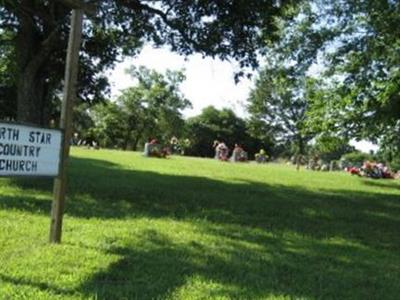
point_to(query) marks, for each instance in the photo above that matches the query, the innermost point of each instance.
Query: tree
(354, 44)
(7, 88)
(262, 136)
(360, 97)
(213, 124)
(358, 93)
(367, 60)
(162, 100)
(35, 32)
(82, 120)
(110, 125)
(279, 102)
(152, 108)
(389, 150)
(329, 147)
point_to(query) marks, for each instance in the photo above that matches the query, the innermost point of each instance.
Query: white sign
(29, 151)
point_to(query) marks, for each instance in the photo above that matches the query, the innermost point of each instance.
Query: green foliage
(186, 228)
(357, 158)
(261, 131)
(110, 125)
(328, 147)
(152, 108)
(277, 106)
(39, 31)
(213, 124)
(389, 150)
(161, 101)
(354, 92)
(395, 164)
(7, 83)
(359, 95)
(82, 120)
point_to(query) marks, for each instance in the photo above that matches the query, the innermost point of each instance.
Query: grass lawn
(186, 228)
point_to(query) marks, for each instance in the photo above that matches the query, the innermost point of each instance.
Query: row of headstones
(333, 165)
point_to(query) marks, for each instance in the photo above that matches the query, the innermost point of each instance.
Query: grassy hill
(187, 228)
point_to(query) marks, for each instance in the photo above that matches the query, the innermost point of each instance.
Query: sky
(208, 82)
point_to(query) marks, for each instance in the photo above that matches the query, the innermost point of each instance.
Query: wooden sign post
(71, 74)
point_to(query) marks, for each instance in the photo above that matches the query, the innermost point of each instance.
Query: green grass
(186, 228)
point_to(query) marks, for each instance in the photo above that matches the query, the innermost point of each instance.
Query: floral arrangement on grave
(261, 156)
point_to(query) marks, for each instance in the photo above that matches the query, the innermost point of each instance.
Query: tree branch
(136, 5)
(45, 50)
(88, 8)
(164, 17)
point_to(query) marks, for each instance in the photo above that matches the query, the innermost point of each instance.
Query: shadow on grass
(102, 190)
(310, 270)
(42, 286)
(310, 267)
(390, 184)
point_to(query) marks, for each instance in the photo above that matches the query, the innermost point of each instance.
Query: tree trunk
(32, 56)
(135, 143)
(299, 156)
(30, 99)
(301, 145)
(126, 141)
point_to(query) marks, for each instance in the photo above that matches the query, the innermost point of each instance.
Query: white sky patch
(364, 146)
(208, 81)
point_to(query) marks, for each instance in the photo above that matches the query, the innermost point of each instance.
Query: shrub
(395, 164)
(356, 158)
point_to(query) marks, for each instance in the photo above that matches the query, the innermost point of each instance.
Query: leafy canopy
(36, 32)
(151, 108)
(358, 92)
